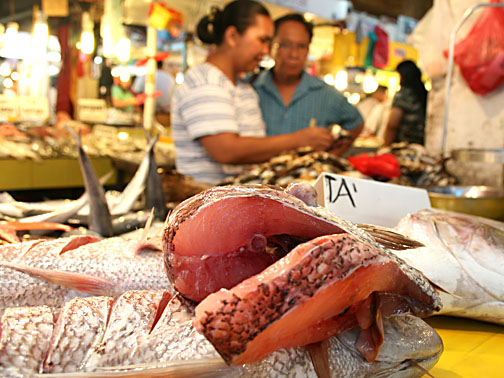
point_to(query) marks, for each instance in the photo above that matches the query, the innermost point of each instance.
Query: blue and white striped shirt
(313, 99)
(208, 103)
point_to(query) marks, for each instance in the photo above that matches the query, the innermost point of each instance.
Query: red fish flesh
(224, 235)
(318, 290)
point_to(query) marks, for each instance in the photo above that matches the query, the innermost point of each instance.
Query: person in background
(291, 99)
(407, 116)
(164, 84)
(216, 120)
(106, 81)
(374, 109)
(122, 97)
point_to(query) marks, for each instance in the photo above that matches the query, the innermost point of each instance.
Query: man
(291, 99)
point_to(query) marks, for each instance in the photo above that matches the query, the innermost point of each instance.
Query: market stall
(383, 259)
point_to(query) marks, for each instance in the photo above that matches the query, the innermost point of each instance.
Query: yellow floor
(472, 349)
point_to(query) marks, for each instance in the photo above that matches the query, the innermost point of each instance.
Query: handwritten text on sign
(368, 201)
(8, 108)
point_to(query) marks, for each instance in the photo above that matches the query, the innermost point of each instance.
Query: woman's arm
(230, 148)
(393, 124)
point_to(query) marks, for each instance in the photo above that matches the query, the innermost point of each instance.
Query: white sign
(368, 201)
(91, 110)
(8, 108)
(33, 108)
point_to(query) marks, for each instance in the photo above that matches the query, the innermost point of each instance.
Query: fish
(99, 219)
(320, 288)
(137, 184)
(154, 195)
(463, 254)
(49, 272)
(223, 235)
(147, 333)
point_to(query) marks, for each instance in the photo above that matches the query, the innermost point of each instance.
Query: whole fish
(150, 333)
(154, 196)
(50, 272)
(464, 255)
(221, 236)
(99, 219)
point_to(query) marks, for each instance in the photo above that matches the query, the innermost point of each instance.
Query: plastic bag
(381, 48)
(383, 165)
(480, 55)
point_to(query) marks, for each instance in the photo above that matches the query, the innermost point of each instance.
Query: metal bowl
(483, 201)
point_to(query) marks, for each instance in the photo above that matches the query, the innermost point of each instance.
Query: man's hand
(319, 138)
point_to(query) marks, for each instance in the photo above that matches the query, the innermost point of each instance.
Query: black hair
(298, 18)
(239, 13)
(411, 77)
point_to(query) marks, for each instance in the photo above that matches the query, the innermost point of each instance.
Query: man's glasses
(291, 46)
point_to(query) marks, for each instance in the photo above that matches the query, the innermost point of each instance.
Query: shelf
(479, 155)
(50, 173)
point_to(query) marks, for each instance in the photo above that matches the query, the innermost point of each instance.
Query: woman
(216, 120)
(407, 117)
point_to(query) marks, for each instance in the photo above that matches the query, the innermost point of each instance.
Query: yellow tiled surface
(472, 349)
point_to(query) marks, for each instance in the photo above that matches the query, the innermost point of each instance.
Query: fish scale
(132, 318)
(115, 260)
(25, 335)
(82, 324)
(77, 333)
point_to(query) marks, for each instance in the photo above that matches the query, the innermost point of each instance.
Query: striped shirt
(208, 103)
(313, 99)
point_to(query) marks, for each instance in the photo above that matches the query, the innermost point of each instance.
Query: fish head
(410, 345)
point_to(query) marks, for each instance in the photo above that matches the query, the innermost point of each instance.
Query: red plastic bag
(384, 165)
(381, 48)
(480, 55)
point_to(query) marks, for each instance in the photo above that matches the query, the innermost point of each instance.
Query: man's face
(290, 48)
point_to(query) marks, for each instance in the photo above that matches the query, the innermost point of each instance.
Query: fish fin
(147, 227)
(439, 288)
(420, 367)
(27, 226)
(8, 235)
(197, 368)
(319, 354)
(143, 243)
(75, 281)
(389, 238)
(371, 339)
(77, 242)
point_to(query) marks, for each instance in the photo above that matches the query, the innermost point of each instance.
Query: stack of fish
(349, 335)
(302, 164)
(417, 168)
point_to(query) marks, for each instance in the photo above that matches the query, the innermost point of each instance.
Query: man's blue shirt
(313, 99)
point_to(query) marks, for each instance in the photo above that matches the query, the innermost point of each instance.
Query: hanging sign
(55, 8)
(8, 108)
(92, 110)
(33, 109)
(368, 201)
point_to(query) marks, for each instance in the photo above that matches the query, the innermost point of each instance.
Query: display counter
(472, 349)
(50, 173)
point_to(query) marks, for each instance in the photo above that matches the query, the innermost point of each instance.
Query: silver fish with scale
(150, 333)
(52, 271)
(464, 255)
